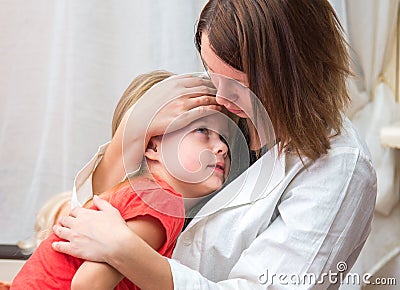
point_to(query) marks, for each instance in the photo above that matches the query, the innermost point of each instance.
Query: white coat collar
(253, 184)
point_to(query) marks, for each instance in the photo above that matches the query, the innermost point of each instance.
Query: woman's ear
(153, 150)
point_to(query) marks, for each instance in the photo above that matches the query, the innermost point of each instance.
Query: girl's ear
(153, 150)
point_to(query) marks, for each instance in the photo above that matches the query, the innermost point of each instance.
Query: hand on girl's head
(168, 100)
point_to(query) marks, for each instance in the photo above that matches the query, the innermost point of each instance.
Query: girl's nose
(220, 146)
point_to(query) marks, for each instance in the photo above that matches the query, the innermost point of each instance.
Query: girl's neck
(156, 169)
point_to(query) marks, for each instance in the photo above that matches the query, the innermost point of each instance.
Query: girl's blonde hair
(46, 217)
(134, 92)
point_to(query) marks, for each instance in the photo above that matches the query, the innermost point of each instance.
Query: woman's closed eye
(222, 138)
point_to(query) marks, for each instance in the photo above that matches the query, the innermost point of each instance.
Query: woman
(317, 213)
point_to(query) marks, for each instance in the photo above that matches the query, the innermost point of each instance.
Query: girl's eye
(202, 131)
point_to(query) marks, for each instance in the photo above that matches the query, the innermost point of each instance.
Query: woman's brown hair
(296, 60)
(134, 92)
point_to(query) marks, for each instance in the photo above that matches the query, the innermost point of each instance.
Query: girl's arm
(94, 275)
(111, 170)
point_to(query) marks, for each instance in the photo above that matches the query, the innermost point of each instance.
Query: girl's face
(203, 163)
(215, 65)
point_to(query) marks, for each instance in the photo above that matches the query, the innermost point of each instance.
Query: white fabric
(303, 220)
(383, 110)
(83, 179)
(371, 28)
(64, 65)
(390, 136)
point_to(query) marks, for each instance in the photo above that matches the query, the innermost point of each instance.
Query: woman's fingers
(203, 100)
(63, 232)
(191, 115)
(84, 214)
(186, 103)
(69, 249)
(185, 85)
(63, 247)
(75, 211)
(86, 233)
(102, 204)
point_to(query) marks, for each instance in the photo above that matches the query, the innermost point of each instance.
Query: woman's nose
(225, 102)
(221, 100)
(226, 98)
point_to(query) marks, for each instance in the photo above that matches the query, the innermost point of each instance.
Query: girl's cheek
(191, 165)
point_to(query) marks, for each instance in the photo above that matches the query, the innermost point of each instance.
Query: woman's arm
(96, 276)
(155, 111)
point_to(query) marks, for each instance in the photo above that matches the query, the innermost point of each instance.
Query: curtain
(371, 28)
(64, 65)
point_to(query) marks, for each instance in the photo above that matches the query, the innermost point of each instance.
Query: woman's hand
(103, 236)
(170, 99)
(92, 235)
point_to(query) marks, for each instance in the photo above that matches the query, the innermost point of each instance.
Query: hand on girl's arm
(128, 247)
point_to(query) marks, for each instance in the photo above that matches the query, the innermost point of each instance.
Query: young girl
(150, 204)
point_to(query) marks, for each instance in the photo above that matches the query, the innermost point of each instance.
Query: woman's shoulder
(346, 147)
(346, 167)
(348, 141)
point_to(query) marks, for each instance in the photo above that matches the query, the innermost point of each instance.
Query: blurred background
(65, 64)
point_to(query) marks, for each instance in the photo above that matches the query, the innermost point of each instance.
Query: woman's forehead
(215, 64)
